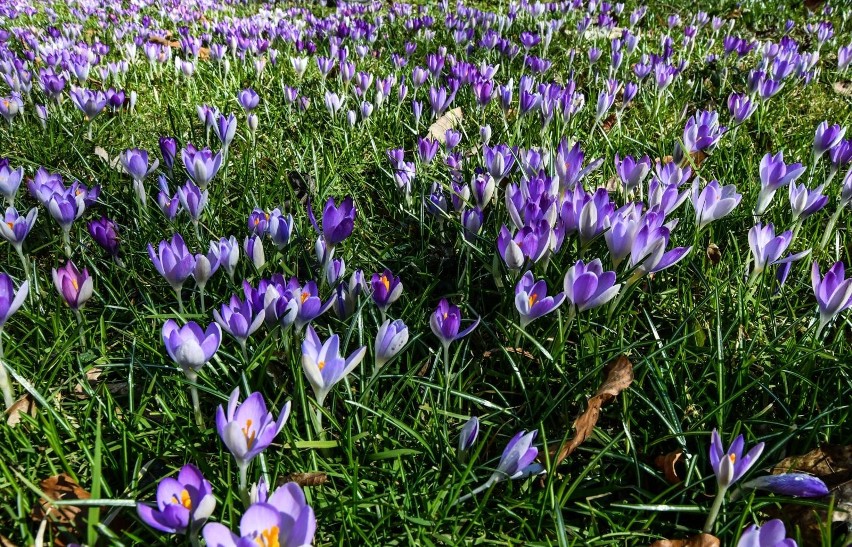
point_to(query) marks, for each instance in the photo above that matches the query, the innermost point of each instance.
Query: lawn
(425, 274)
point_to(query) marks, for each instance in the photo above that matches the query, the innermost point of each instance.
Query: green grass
(708, 351)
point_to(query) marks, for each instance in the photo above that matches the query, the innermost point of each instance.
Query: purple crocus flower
(168, 149)
(193, 199)
(587, 286)
(805, 202)
(253, 246)
(800, 485)
(308, 304)
(471, 220)
(10, 300)
(201, 165)
(168, 204)
(90, 103)
(16, 227)
(281, 228)
(337, 222)
(229, 255)
(184, 503)
(65, 208)
(767, 248)
(621, 228)
(826, 138)
(135, 163)
(469, 433)
(499, 160)
(482, 188)
(386, 289)
(226, 129)
(518, 457)
(248, 99)
(190, 346)
(173, 261)
(105, 234)
(531, 299)
(729, 465)
(238, 319)
(774, 174)
(702, 131)
(247, 428)
(74, 286)
(391, 338)
(741, 107)
(713, 202)
(323, 364)
(265, 524)
(529, 243)
(771, 534)
(632, 172)
(10, 180)
(833, 292)
(648, 253)
(569, 165)
(297, 517)
(445, 322)
(258, 221)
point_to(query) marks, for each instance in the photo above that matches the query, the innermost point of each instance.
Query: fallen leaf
(114, 163)
(608, 123)
(668, 465)
(93, 376)
(6, 542)
(618, 376)
(843, 88)
(612, 185)
(65, 520)
(449, 120)
(306, 479)
(701, 540)
(497, 351)
(714, 254)
(24, 405)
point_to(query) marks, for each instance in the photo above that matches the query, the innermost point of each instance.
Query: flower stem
(66, 242)
(5, 384)
(482, 487)
(179, 299)
(81, 328)
(829, 230)
(24, 261)
(714, 510)
(244, 493)
(192, 376)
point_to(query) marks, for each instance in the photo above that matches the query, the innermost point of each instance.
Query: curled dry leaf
(6, 542)
(449, 120)
(668, 465)
(65, 520)
(24, 405)
(306, 479)
(701, 540)
(714, 254)
(843, 88)
(609, 123)
(618, 376)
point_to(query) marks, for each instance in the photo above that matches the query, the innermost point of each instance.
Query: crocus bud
(74, 286)
(469, 433)
(391, 338)
(253, 247)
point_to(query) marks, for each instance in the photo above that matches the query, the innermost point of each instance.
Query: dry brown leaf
(701, 540)
(65, 520)
(609, 123)
(24, 405)
(668, 465)
(714, 254)
(618, 376)
(843, 88)
(449, 120)
(6, 542)
(203, 53)
(93, 376)
(307, 479)
(497, 351)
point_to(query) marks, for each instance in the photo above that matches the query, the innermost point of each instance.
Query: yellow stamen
(305, 296)
(268, 538)
(386, 282)
(249, 435)
(532, 299)
(10, 224)
(184, 499)
(74, 284)
(733, 457)
(321, 365)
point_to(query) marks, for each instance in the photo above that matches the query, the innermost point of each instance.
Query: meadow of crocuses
(516, 273)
